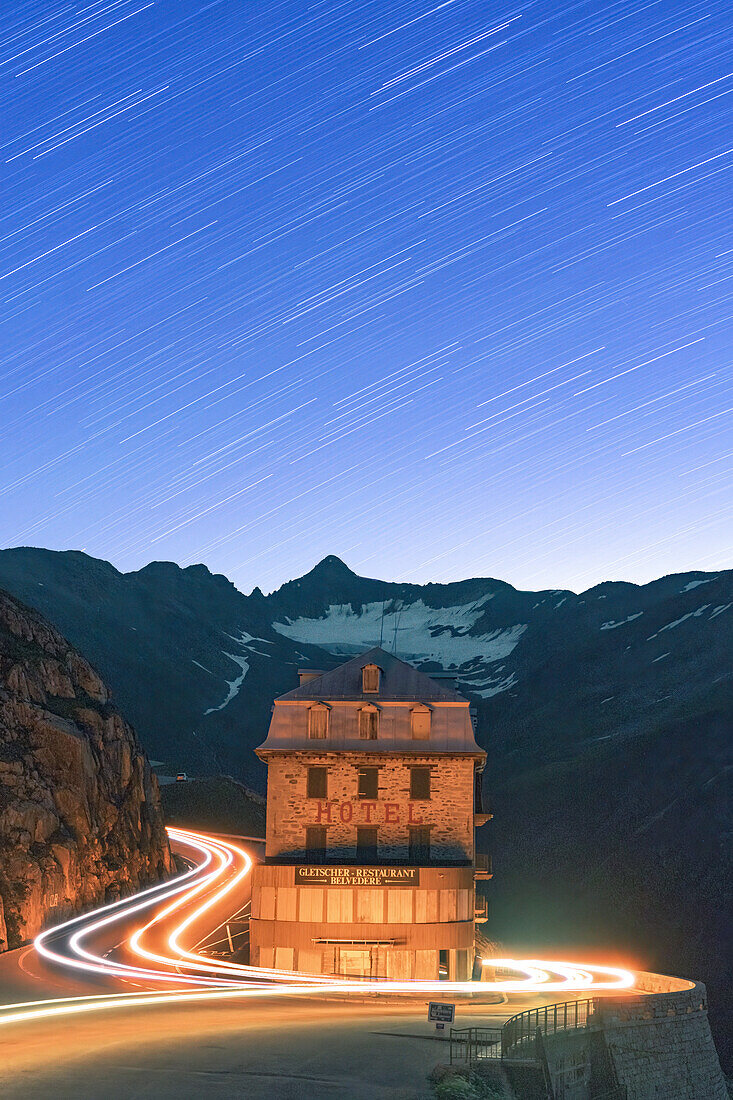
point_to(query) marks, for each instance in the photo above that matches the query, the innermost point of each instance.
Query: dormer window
(420, 723)
(370, 678)
(318, 721)
(368, 723)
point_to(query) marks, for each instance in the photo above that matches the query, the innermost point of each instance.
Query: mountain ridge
(607, 716)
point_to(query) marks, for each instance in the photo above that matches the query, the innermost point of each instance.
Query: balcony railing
(480, 910)
(482, 865)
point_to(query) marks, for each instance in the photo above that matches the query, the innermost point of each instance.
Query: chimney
(306, 674)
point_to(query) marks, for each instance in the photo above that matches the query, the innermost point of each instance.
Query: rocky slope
(80, 818)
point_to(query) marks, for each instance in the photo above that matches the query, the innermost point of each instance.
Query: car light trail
(170, 912)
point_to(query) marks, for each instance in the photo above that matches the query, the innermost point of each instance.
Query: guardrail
(518, 1034)
(473, 1044)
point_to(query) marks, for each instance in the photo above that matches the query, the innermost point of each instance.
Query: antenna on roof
(396, 628)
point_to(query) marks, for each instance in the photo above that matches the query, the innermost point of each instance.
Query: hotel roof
(399, 682)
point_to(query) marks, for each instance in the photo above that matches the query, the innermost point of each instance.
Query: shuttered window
(366, 845)
(419, 844)
(369, 783)
(420, 724)
(368, 723)
(315, 842)
(370, 678)
(419, 782)
(318, 722)
(317, 783)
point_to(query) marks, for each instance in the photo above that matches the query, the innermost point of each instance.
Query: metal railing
(482, 863)
(518, 1033)
(474, 1044)
(480, 909)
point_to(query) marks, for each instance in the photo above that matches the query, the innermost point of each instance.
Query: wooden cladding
(443, 899)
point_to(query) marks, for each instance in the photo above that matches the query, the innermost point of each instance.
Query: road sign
(439, 1012)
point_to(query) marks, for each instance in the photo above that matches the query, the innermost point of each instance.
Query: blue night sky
(444, 289)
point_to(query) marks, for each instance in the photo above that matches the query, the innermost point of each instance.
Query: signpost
(441, 1014)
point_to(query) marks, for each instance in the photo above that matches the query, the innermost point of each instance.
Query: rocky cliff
(80, 818)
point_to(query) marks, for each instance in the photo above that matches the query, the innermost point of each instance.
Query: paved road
(262, 1041)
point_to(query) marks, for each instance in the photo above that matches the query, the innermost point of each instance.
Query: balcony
(482, 868)
(480, 910)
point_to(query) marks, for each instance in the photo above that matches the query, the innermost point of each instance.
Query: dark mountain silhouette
(607, 716)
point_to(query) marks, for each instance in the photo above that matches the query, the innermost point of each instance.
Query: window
(419, 844)
(318, 721)
(366, 845)
(370, 678)
(317, 783)
(420, 782)
(369, 783)
(315, 843)
(368, 723)
(420, 723)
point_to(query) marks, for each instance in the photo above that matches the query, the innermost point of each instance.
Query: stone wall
(655, 1047)
(448, 811)
(661, 1046)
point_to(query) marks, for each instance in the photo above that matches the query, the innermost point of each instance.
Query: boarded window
(420, 724)
(426, 906)
(315, 843)
(310, 961)
(318, 722)
(370, 905)
(419, 844)
(285, 900)
(399, 906)
(317, 783)
(368, 723)
(267, 903)
(420, 782)
(284, 958)
(311, 904)
(369, 783)
(370, 678)
(366, 845)
(339, 905)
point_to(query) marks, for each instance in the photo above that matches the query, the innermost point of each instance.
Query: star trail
(444, 289)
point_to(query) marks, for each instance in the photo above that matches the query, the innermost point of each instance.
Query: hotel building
(373, 797)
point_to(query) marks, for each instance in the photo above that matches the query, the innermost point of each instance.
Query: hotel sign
(357, 876)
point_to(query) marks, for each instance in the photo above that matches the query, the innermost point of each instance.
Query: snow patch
(233, 685)
(660, 658)
(696, 584)
(689, 615)
(411, 630)
(611, 624)
(720, 609)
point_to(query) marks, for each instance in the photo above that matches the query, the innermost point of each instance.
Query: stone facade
(448, 812)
